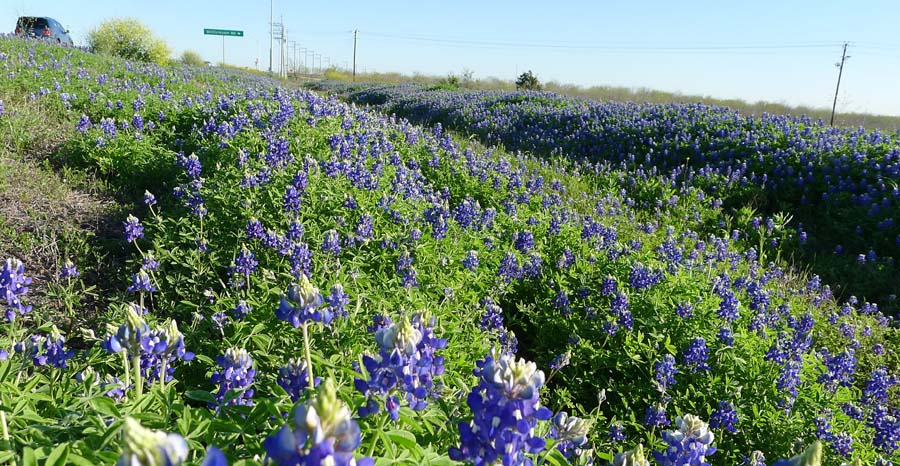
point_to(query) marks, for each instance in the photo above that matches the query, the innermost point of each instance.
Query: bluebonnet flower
(337, 301)
(302, 303)
(140, 283)
(406, 364)
(634, 457)
(812, 456)
(655, 416)
(524, 241)
(145, 447)
(322, 432)
(406, 271)
(665, 372)
(509, 268)
(642, 277)
(13, 284)
(689, 445)
(684, 310)
(696, 355)
(726, 337)
(756, 458)
(876, 390)
(149, 199)
(616, 432)
(191, 165)
(725, 417)
(69, 270)
(839, 369)
(294, 378)
(241, 309)
(133, 229)
(129, 335)
(570, 433)
(113, 387)
(237, 374)
(245, 263)
(332, 243)
(364, 227)
(887, 428)
(150, 263)
(159, 350)
(608, 286)
(843, 444)
(560, 361)
(492, 322)
(254, 229)
(470, 262)
(505, 407)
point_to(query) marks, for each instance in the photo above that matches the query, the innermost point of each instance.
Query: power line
(606, 47)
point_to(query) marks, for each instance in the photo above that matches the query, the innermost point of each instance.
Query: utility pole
(278, 34)
(283, 40)
(271, 31)
(354, 55)
(844, 58)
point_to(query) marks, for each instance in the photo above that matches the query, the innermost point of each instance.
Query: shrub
(190, 57)
(129, 39)
(528, 81)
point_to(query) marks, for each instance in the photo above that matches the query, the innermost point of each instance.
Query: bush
(528, 81)
(129, 39)
(190, 57)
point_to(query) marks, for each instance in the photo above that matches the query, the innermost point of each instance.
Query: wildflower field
(295, 279)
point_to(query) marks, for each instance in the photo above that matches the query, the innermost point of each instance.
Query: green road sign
(223, 32)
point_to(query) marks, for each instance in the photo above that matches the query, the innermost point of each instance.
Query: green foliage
(527, 81)
(192, 58)
(130, 39)
(54, 418)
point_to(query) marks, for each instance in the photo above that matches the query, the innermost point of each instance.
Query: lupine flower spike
(322, 432)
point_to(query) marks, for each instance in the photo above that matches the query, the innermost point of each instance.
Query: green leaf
(403, 438)
(58, 456)
(80, 461)
(200, 395)
(106, 405)
(28, 458)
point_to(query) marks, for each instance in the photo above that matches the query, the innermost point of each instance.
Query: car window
(33, 23)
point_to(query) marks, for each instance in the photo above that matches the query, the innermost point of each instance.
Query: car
(43, 28)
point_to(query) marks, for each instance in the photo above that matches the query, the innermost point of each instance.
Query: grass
(51, 212)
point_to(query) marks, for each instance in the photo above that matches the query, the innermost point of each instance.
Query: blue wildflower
(322, 432)
(505, 408)
(236, 374)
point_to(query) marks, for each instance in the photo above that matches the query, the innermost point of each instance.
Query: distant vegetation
(130, 39)
(528, 81)
(190, 57)
(629, 94)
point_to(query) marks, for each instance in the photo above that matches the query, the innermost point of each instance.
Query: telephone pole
(354, 55)
(844, 58)
(271, 31)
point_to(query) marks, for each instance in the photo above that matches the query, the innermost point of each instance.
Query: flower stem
(309, 366)
(138, 383)
(127, 371)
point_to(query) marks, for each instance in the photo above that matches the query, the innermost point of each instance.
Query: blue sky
(780, 51)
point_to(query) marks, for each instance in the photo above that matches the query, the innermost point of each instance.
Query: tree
(528, 81)
(129, 39)
(192, 58)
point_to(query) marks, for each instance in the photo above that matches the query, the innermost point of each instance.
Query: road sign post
(223, 33)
